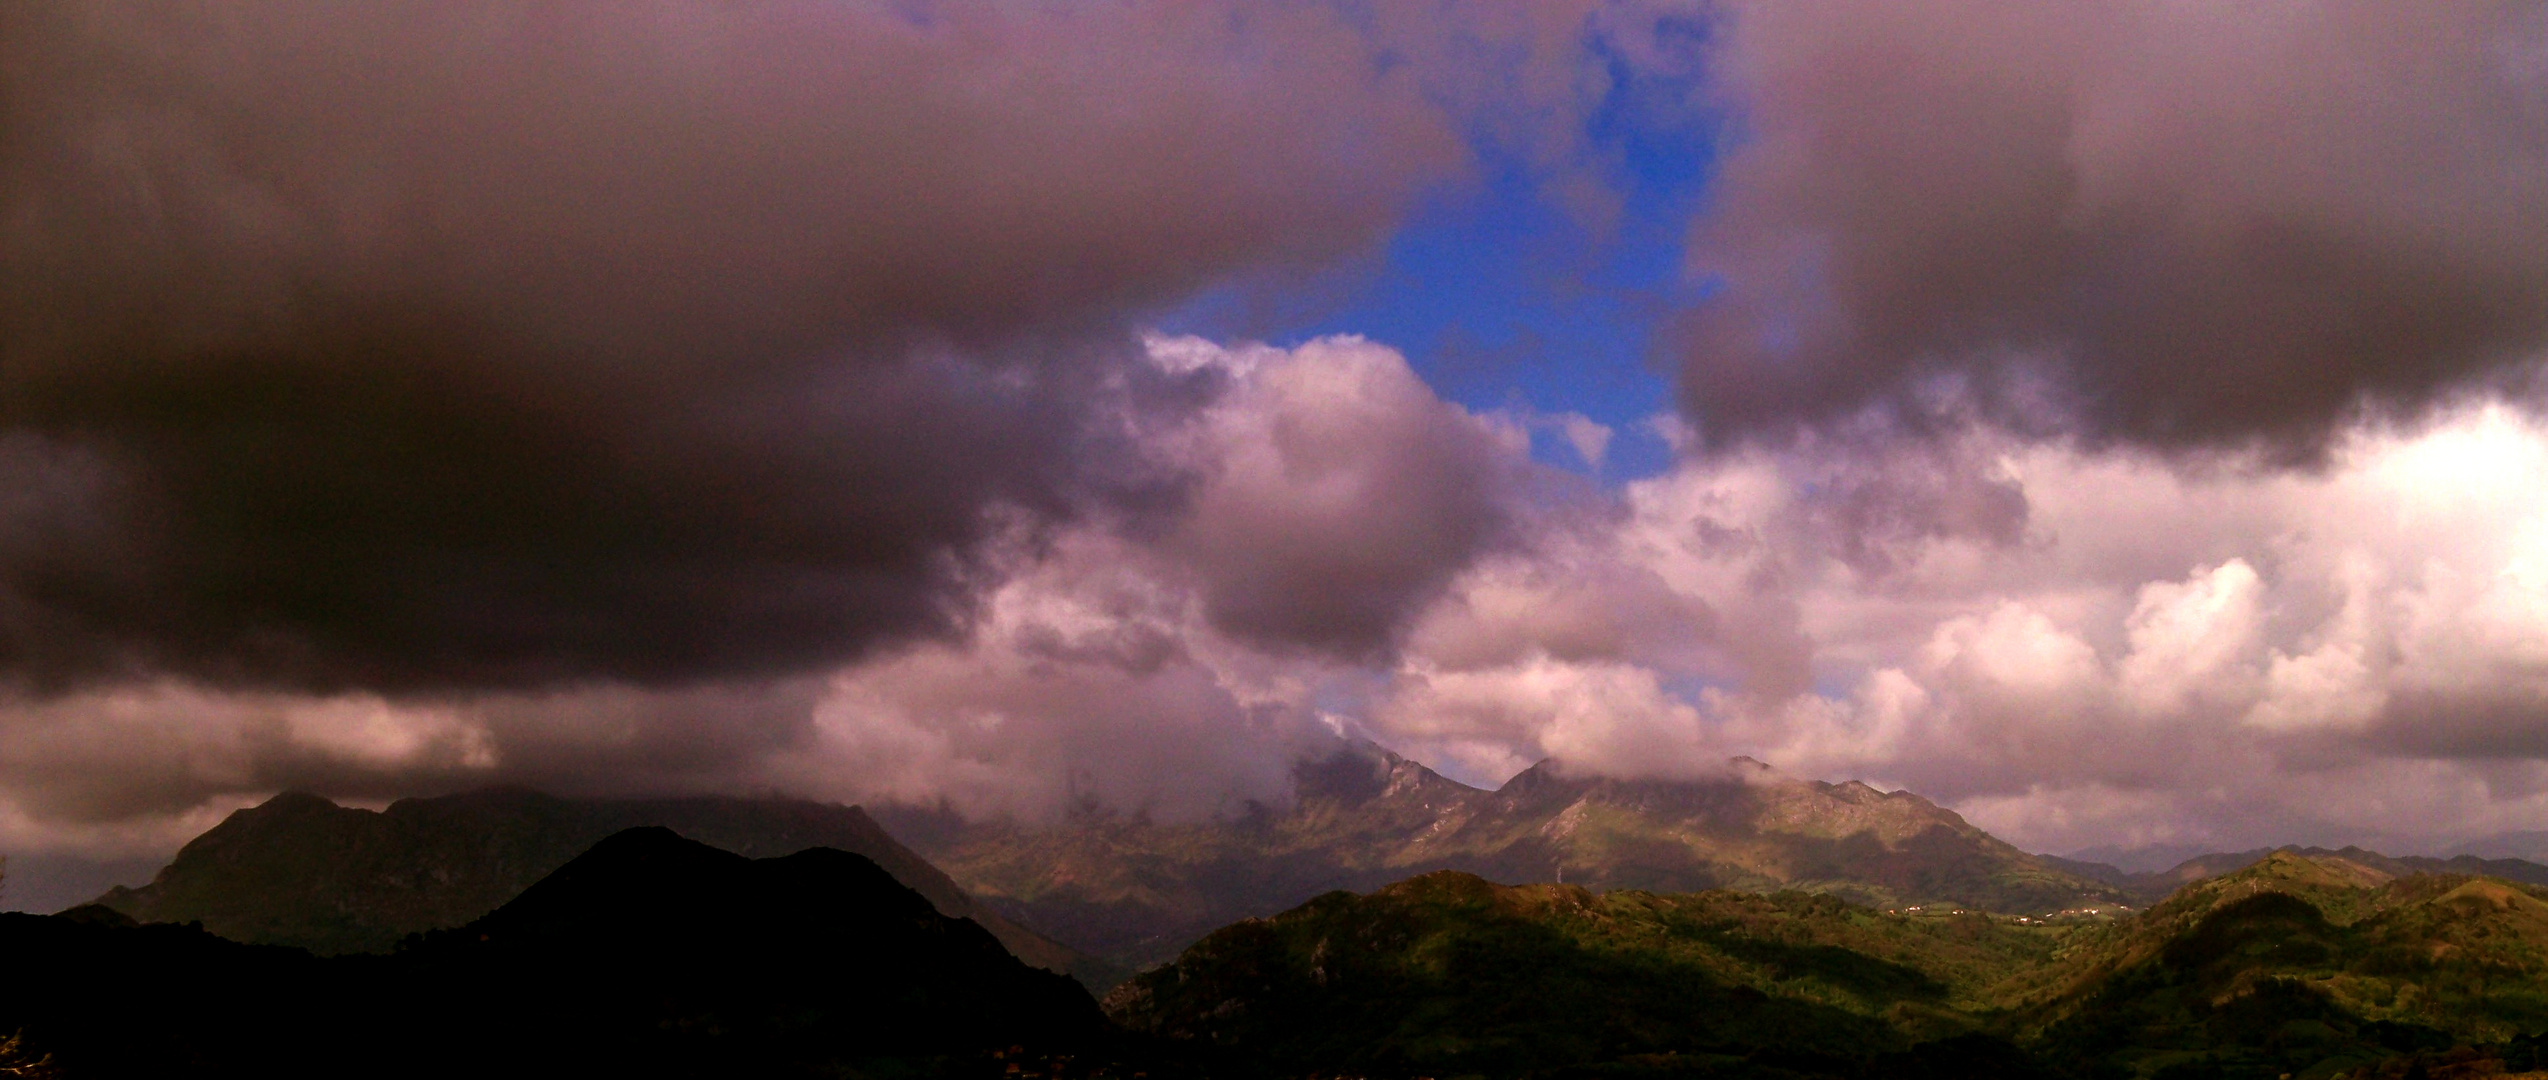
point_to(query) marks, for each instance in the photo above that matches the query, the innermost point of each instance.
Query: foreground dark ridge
(302, 871)
(652, 955)
(1136, 891)
(649, 955)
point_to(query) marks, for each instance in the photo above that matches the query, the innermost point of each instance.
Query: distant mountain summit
(2528, 846)
(1136, 890)
(300, 870)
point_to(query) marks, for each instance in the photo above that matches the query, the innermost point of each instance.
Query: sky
(2119, 422)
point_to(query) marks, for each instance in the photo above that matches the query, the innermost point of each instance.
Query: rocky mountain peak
(1365, 817)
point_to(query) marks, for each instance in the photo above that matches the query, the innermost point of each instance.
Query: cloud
(1179, 670)
(2120, 648)
(427, 346)
(2072, 644)
(2164, 634)
(1089, 682)
(1532, 84)
(1602, 717)
(1589, 438)
(685, 397)
(2173, 225)
(92, 758)
(1337, 494)
(1137, 657)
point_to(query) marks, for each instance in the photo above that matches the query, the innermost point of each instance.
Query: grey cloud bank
(684, 397)
(2234, 657)
(2180, 225)
(432, 345)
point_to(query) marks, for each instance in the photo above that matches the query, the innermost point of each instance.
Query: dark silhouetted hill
(648, 955)
(300, 870)
(1136, 891)
(676, 953)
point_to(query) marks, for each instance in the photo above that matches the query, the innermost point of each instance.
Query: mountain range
(1102, 893)
(1134, 890)
(300, 870)
(1388, 922)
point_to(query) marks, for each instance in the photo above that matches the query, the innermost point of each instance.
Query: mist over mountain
(2531, 846)
(2137, 859)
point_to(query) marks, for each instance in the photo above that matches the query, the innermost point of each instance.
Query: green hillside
(1450, 974)
(2302, 967)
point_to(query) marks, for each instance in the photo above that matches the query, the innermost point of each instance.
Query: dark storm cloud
(2169, 224)
(422, 345)
(154, 749)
